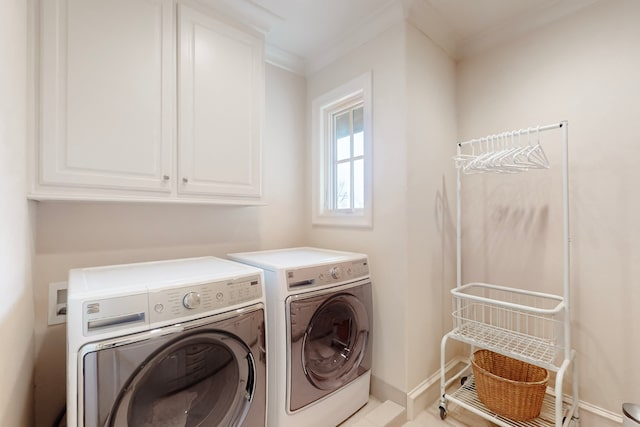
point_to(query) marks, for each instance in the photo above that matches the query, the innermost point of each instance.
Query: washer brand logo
(93, 308)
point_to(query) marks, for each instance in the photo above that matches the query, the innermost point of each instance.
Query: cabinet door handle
(165, 177)
(185, 180)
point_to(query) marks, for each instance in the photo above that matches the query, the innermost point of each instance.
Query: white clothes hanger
(500, 153)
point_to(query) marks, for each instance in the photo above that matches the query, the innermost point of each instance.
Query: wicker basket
(509, 387)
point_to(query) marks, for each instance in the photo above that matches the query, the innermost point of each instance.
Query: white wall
(430, 226)
(583, 68)
(410, 245)
(85, 234)
(386, 243)
(16, 304)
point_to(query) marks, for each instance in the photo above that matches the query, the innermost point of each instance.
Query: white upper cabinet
(107, 94)
(220, 91)
(147, 100)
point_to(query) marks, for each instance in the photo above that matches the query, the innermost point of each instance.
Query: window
(347, 160)
(342, 155)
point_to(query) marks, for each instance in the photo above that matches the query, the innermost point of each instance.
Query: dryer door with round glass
(329, 341)
(204, 376)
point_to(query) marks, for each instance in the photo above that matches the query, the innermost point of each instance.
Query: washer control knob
(335, 272)
(191, 300)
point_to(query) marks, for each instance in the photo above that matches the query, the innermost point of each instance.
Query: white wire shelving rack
(533, 327)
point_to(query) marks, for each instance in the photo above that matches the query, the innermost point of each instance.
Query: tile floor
(456, 416)
(373, 415)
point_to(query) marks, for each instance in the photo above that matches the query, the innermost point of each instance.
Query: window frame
(348, 96)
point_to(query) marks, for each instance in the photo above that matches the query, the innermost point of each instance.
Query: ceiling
(470, 18)
(308, 33)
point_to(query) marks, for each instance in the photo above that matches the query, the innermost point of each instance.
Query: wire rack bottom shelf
(467, 397)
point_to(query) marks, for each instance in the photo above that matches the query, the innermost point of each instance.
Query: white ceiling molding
(304, 36)
(279, 8)
(517, 26)
(389, 14)
(247, 12)
(285, 60)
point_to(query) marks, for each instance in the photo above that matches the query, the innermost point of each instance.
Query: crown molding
(285, 60)
(247, 12)
(419, 13)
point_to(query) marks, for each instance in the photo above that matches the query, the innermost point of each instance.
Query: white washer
(319, 306)
(177, 342)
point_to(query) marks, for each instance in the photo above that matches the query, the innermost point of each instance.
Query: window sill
(343, 220)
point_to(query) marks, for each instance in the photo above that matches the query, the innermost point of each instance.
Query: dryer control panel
(173, 303)
(328, 274)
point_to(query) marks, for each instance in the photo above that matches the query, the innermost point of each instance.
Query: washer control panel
(173, 303)
(327, 274)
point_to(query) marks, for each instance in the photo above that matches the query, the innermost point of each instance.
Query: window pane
(342, 125)
(343, 186)
(343, 148)
(358, 184)
(358, 144)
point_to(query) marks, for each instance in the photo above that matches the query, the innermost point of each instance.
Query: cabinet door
(107, 94)
(220, 93)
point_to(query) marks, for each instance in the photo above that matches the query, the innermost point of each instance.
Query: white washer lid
(144, 276)
(294, 257)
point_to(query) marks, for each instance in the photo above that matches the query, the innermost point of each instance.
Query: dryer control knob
(191, 300)
(335, 272)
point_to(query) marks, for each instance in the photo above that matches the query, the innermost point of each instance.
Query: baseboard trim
(598, 411)
(384, 391)
(428, 391)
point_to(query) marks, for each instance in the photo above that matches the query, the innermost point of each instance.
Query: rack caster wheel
(443, 413)
(463, 380)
